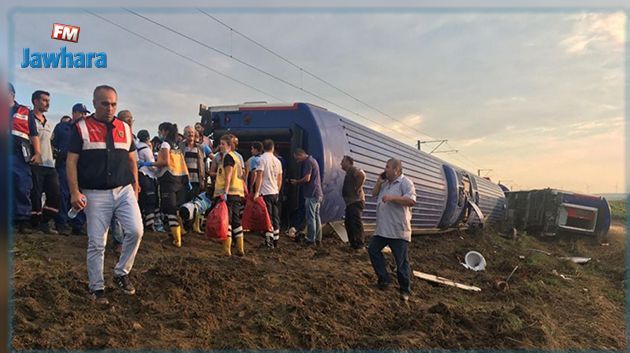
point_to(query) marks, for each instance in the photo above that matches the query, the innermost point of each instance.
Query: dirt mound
(298, 297)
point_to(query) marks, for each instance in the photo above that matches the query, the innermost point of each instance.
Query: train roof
(255, 106)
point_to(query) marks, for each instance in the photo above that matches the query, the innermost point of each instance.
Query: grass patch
(618, 210)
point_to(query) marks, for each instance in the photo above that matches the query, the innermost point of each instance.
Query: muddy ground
(297, 297)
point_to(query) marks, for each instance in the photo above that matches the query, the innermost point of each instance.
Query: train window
(577, 217)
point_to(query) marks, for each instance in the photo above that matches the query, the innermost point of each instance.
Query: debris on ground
(322, 297)
(446, 281)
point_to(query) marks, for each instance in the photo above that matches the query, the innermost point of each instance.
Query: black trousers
(354, 224)
(148, 199)
(45, 180)
(272, 201)
(169, 203)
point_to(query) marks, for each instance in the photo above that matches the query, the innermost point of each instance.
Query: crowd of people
(91, 175)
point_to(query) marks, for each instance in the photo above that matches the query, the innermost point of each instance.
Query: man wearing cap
(45, 178)
(103, 179)
(60, 141)
(26, 151)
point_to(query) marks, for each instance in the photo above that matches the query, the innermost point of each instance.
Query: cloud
(413, 119)
(470, 142)
(507, 100)
(595, 28)
(588, 126)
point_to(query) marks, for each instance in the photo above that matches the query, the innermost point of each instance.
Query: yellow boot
(181, 225)
(227, 246)
(176, 232)
(240, 246)
(197, 224)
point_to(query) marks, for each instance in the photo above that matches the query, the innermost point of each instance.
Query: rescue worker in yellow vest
(172, 178)
(232, 188)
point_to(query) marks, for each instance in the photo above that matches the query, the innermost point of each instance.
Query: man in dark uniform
(61, 142)
(26, 151)
(103, 178)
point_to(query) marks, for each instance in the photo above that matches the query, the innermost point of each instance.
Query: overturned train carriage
(550, 212)
(448, 196)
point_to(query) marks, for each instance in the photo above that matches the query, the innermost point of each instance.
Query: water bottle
(73, 212)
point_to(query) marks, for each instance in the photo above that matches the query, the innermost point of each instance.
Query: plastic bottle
(73, 212)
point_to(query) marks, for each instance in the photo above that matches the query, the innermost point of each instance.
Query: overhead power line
(258, 69)
(182, 55)
(188, 58)
(307, 72)
(326, 82)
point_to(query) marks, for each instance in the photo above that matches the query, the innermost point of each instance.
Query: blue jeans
(399, 249)
(116, 230)
(313, 222)
(102, 206)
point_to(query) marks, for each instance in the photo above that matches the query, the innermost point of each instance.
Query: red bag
(217, 222)
(255, 216)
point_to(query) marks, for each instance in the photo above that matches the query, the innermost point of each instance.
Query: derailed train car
(550, 212)
(448, 196)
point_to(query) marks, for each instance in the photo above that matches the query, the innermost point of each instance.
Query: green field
(618, 209)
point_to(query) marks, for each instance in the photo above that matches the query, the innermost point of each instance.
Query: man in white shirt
(45, 178)
(268, 181)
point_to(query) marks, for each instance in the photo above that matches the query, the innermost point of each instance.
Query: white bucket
(475, 261)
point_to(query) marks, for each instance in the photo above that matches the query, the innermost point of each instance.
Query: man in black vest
(102, 163)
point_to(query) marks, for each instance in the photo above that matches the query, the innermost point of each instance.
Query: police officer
(26, 150)
(61, 141)
(102, 163)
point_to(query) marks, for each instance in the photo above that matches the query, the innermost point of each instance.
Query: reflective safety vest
(237, 186)
(104, 156)
(20, 122)
(94, 134)
(175, 173)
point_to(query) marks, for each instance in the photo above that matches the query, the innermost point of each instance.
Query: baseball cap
(80, 107)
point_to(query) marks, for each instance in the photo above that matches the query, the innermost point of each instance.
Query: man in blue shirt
(313, 195)
(61, 141)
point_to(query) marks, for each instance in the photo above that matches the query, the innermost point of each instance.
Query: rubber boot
(181, 225)
(197, 224)
(240, 246)
(176, 232)
(227, 246)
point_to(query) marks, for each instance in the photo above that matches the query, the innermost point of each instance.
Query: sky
(533, 98)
